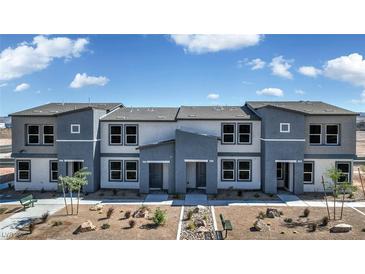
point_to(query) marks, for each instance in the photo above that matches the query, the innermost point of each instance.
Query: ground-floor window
(115, 171)
(244, 170)
(131, 170)
(53, 171)
(345, 168)
(308, 172)
(23, 171)
(228, 170)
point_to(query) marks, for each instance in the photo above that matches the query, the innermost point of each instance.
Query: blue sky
(163, 70)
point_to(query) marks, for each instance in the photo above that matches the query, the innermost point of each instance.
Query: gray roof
(54, 109)
(305, 107)
(215, 113)
(142, 114)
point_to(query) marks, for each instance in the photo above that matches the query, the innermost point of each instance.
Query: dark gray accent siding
(119, 154)
(237, 154)
(329, 156)
(33, 155)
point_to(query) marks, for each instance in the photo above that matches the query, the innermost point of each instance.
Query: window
(33, 134)
(23, 171)
(131, 134)
(244, 170)
(345, 168)
(244, 133)
(115, 134)
(53, 171)
(75, 128)
(228, 171)
(48, 135)
(308, 173)
(228, 133)
(284, 127)
(279, 171)
(115, 171)
(131, 171)
(315, 134)
(332, 134)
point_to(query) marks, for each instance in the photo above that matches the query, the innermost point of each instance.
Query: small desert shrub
(288, 220)
(127, 214)
(132, 223)
(190, 226)
(42, 190)
(312, 227)
(261, 215)
(363, 230)
(101, 194)
(31, 226)
(324, 221)
(351, 195)
(3, 209)
(281, 212)
(190, 214)
(256, 195)
(44, 217)
(240, 193)
(57, 223)
(115, 191)
(271, 195)
(205, 217)
(306, 212)
(159, 217)
(105, 226)
(109, 213)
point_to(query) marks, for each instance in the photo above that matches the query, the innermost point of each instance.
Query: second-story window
(315, 134)
(332, 133)
(228, 133)
(131, 135)
(115, 136)
(75, 128)
(284, 127)
(33, 134)
(244, 133)
(48, 135)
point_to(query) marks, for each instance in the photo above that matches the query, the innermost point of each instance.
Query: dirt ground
(144, 229)
(243, 195)
(241, 226)
(8, 210)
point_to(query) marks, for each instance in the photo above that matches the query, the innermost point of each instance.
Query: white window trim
(75, 132)
(338, 135)
(47, 134)
(249, 170)
(281, 127)
(239, 133)
(345, 173)
(223, 169)
(111, 134)
(312, 173)
(315, 134)
(129, 134)
(233, 133)
(134, 170)
(52, 171)
(18, 171)
(28, 134)
(119, 170)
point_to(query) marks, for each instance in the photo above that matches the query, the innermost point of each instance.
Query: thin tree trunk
(72, 207)
(325, 197)
(64, 197)
(78, 201)
(334, 202)
(343, 201)
(362, 185)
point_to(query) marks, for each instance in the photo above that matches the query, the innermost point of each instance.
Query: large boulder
(199, 223)
(199, 208)
(272, 213)
(97, 207)
(87, 226)
(259, 225)
(142, 212)
(341, 228)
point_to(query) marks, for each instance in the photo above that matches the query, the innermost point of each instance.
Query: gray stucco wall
(163, 152)
(347, 135)
(196, 147)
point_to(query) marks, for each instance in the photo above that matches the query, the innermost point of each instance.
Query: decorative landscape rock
(87, 226)
(259, 225)
(203, 228)
(272, 213)
(341, 228)
(199, 223)
(141, 212)
(97, 207)
(199, 208)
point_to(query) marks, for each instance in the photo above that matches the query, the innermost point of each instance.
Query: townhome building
(260, 145)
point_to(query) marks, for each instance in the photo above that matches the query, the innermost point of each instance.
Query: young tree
(344, 188)
(62, 183)
(360, 177)
(325, 196)
(334, 174)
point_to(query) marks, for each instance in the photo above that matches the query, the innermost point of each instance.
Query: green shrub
(57, 223)
(105, 226)
(363, 230)
(261, 215)
(190, 226)
(127, 214)
(159, 217)
(44, 217)
(324, 221)
(312, 227)
(3, 209)
(306, 212)
(190, 214)
(288, 220)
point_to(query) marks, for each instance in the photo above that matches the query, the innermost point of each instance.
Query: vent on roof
(53, 111)
(161, 117)
(219, 108)
(37, 111)
(328, 110)
(240, 115)
(121, 117)
(192, 115)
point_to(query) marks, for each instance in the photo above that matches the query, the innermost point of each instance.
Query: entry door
(156, 175)
(201, 172)
(286, 176)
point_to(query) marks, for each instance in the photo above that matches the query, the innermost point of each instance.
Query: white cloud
(213, 96)
(82, 80)
(256, 64)
(3, 85)
(300, 91)
(280, 67)
(361, 100)
(270, 92)
(350, 68)
(203, 43)
(309, 71)
(22, 87)
(27, 58)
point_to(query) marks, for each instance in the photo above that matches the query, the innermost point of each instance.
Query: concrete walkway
(10, 225)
